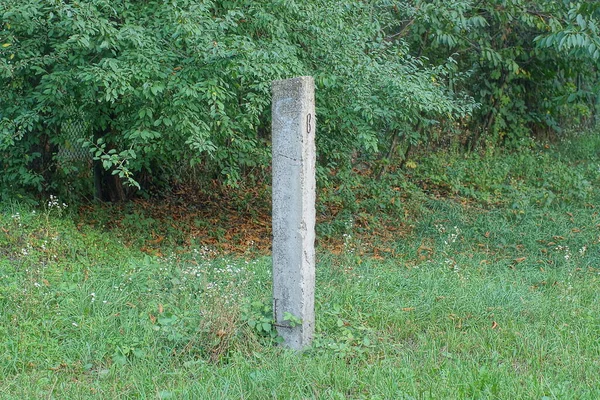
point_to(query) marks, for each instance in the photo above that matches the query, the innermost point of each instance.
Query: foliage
(574, 29)
(166, 83)
(531, 63)
(259, 317)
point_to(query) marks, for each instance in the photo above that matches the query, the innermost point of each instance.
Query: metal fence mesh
(75, 128)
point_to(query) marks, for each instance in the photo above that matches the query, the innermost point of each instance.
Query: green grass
(497, 303)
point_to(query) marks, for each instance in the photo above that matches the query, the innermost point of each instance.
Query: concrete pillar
(293, 141)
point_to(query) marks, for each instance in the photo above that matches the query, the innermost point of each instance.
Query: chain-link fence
(73, 130)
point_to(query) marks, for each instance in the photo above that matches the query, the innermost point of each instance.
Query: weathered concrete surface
(293, 146)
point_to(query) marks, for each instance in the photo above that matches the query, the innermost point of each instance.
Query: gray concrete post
(293, 147)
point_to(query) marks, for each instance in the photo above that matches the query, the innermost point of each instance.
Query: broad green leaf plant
(167, 85)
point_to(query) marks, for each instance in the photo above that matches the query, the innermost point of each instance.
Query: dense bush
(166, 83)
(162, 90)
(532, 63)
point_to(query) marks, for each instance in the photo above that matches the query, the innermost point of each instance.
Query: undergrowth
(488, 293)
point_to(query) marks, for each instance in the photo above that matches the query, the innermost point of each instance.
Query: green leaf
(581, 21)
(119, 359)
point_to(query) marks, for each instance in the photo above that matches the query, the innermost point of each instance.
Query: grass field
(476, 300)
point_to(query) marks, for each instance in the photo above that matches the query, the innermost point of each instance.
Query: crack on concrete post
(289, 158)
